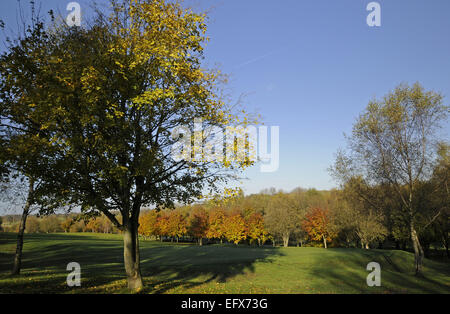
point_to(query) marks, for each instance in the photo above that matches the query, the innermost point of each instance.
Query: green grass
(185, 268)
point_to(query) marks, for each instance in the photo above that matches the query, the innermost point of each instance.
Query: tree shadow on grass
(397, 274)
(191, 266)
(164, 266)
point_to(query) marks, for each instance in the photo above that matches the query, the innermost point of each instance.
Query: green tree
(281, 217)
(50, 224)
(393, 143)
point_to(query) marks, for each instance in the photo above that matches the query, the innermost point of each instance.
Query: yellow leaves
(150, 96)
(158, 29)
(119, 64)
(45, 126)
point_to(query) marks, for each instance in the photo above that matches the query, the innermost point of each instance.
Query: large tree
(120, 93)
(393, 143)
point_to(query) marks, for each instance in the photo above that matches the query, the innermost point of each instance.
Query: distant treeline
(58, 223)
(336, 218)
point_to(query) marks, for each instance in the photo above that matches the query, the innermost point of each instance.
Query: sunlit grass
(186, 268)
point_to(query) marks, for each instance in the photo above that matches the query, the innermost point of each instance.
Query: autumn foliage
(201, 223)
(317, 225)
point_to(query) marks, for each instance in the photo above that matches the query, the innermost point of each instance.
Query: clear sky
(311, 66)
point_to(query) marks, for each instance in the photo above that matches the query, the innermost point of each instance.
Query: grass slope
(183, 268)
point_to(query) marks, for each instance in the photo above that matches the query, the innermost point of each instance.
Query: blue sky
(310, 67)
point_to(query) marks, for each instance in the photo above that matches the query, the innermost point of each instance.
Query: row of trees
(345, 217)
(358, 215)
(198, 222)
(311, 217)
(59, 223)
(300, 216)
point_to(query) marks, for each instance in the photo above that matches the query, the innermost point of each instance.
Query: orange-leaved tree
(318, 226)
(198, 223)
(148, 224)
(176, 224)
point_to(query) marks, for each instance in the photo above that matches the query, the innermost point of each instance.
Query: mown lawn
(186, 268)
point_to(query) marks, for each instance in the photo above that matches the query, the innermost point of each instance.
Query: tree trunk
(286, 240)
(367, 246)
(23, 221)
(324, 241)
(418, 251)
(132, 257)
(200, 241)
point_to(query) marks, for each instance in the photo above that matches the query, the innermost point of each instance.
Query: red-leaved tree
(318, 226)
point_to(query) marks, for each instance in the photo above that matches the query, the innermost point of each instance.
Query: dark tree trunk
(131, 256)
(426, 250)
(23, 221)
(445, 241)
(403, 246)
